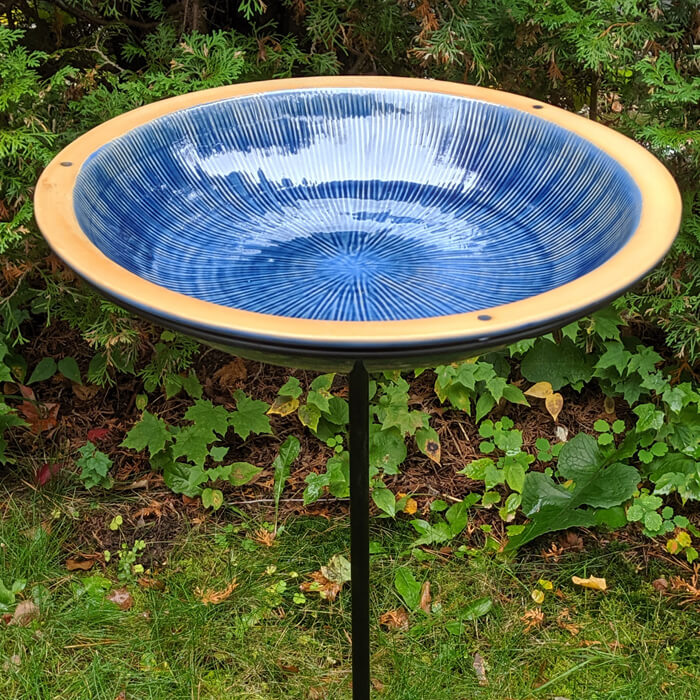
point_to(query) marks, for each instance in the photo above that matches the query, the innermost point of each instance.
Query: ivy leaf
(150, 432)
(242, 473)
(387, 449)
(184, 478)
(204, 414)
(291, 389)
(559, 364)
(428, 442)
(648, 417)
(407, 587)
(616, 356)
(249, 416)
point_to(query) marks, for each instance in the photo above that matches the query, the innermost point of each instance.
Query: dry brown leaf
(660, 584)
(395, 619)
(85, 392)
(289, 668)
(540, 390)
(317, 693)
(554, 403)
(122, 598)
(25, 612)
(213, 597)
(479, 666)
(231, 374)
(40, 416)
(592, 582)
(533, 618)
(425, 597)
(377, 685)
(323, 586)
(264, 537)
(154, 583)
(153, 508)
(82, 562)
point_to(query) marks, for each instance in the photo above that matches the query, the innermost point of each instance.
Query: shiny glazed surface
(355, 204)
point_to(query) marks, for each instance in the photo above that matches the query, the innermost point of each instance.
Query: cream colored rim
(658, 224)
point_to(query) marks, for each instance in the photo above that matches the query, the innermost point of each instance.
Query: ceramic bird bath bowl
(357, 222)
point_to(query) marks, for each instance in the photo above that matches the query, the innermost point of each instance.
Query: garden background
(173, 521)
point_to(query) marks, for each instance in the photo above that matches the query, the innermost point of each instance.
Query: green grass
(261, 644)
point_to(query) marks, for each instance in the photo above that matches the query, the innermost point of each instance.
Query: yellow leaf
(683, 539)
(411, 506)
(592, 582)
(541, 390)
(538, 596)
(546, 584)
(672, 546)
(283, 406)
(554, 403)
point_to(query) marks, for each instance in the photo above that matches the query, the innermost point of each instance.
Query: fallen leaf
(425, 598)
(540, 390)
(316, 693)
(264, 537)
(40, 416)
(25, 612)
(616, 106)
(480, 668)
(213, 597)
(337, 569)
(121, 696)
(395, 619)
(561, 433)
(660, 584)
(554, 403)
(289, 668)
(82, 562)
(538, 596)
(533, 618)
(46, 472)
(377, 685)
(153, 508)
(153, 583)
(121, 597)
(411, 506)
(231, 374)
(592, 582)
(95, 434)
(85, 392)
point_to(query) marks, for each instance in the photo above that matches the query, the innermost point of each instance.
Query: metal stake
(359, 528)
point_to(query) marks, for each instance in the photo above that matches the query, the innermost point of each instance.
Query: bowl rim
(658, 224)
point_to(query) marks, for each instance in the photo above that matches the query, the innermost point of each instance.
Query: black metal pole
(359, 528)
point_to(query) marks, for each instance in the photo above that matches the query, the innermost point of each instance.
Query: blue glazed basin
(359, 206)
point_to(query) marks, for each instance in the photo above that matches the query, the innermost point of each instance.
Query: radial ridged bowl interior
(355, 204)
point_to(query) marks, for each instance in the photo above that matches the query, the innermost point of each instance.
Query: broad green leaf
(150, 432)
(218, 453)
(212, 498)
(291, 388)
(457, 517)
(183, 478)
(249, 416)
(483, 405)
(407, 587)
(616, 356)
(309, 415)
(385, 500)
(559, 364)
(192, 442)
(44, 370)
(242, 473)
(68, 367)
(387, 449)
(323, 383)
(476, 609)
(205, 415)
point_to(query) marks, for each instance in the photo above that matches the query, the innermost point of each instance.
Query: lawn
(218, 611)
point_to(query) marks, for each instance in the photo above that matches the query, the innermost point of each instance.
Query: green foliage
(94, 467)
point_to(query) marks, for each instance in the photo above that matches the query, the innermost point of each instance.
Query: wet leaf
(122, 598)
(592, 582)
(394, 619)
(211, 596)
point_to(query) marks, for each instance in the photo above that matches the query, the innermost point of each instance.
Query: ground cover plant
(173, 519)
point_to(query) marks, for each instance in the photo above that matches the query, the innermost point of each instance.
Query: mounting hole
(484, 317)
(537, 106)
(66, 163)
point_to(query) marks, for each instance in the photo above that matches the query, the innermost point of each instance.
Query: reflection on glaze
(355, 204)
